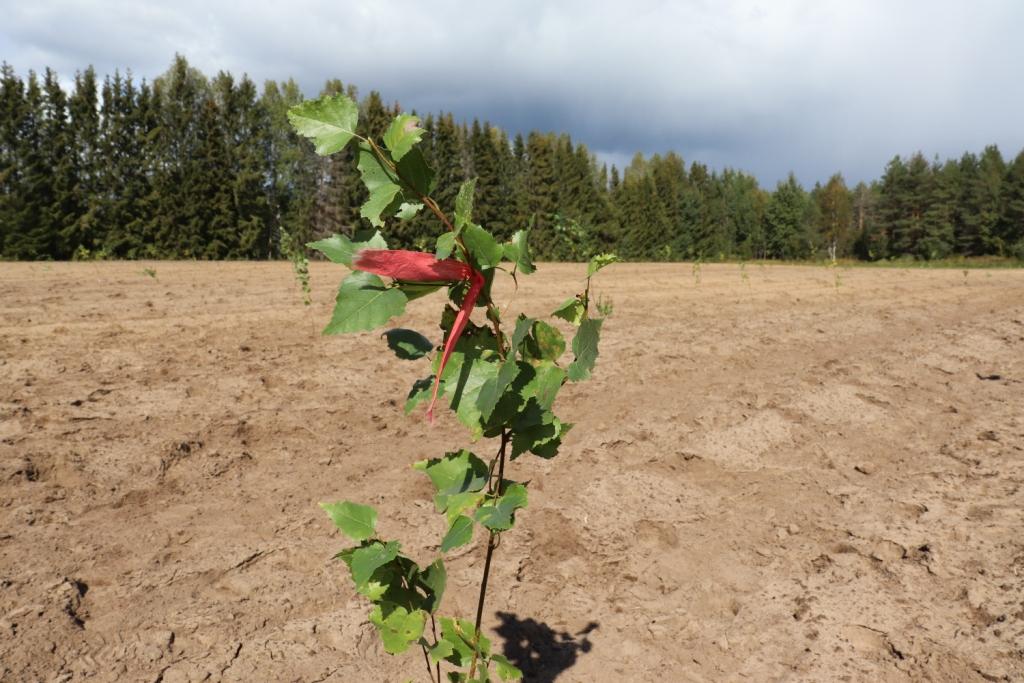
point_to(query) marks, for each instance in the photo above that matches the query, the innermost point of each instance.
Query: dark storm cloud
(769, 87)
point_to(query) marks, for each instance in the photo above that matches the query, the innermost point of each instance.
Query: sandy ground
(771, 479)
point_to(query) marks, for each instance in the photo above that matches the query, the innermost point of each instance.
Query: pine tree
(13, 109)
(1011, 231)
(30, 236)
(786, 228)
(87, 159)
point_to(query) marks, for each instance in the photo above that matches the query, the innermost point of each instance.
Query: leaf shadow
(542, 653)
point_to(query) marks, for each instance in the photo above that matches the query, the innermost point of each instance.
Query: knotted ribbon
(418, 266)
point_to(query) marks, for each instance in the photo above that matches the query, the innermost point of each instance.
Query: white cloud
(764, 86)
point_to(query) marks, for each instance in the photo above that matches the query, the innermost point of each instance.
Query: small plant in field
(500, 380)
(150, 272)
(743, 273)
(697, 269)
(300, 264)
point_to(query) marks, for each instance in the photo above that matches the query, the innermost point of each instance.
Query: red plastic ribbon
(418, 266)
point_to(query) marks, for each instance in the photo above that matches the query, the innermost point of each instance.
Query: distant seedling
(500, 380)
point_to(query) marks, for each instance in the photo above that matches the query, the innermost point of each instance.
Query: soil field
(771, 478)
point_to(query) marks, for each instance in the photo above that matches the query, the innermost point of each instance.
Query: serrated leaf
(415, 174)
(599, 262)
(483, 248)
(454, 473)
(408, 344)
(407, 210)
(364, 303)
(415, 290)
(498, 516)
(420, 392)
(584, 347)
(434, 579)
(518, 252)
(358, 522)
(544, 384)
(403, 133)
(461, 503)
(329, 122)
(494, 387)
(340, 249)
(548, 342)
(459, 534)
(445, 245)
(464, 204)
(572, 310)
(399, 629)
(523, 327)
(462, 381)
(370, 558)
(443, 650)
(382, 186)
(537, 431)
(506, 671)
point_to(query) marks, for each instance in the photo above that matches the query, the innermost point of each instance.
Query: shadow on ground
(542, 653)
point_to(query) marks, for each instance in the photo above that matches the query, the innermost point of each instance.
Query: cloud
(769, 87)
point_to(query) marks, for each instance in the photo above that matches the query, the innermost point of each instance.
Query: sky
(768, 87)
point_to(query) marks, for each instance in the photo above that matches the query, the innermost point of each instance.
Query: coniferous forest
(209, 168)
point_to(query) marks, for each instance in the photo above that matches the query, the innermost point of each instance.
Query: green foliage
(498, 385)
(364, 302)
(408, 344)
(191, 166)
(358, 522)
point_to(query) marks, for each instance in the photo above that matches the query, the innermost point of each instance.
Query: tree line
(208, 168)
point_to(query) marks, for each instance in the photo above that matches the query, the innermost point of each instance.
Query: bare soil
(771, 478)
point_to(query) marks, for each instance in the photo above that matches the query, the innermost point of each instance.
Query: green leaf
(462, 635)
(358, 522)
(584, 347)
(364, 303)
(415, 290)
(329, 122)
(548, 342)
(408, 344)
(460, 503)
(599, 262)
(518, 252)
(416, 175)
(445, 245)
(572, 310)
(382, 185)
(370, 558)
(537, 431)
(454, 473)
(420, 392)
(506, 671)
(483, 248)
(399, 629)
(340, 249)
(523, 327)
(464, 205)
(462, 381)
(459, 534)
(403, 133)
(407, 210)
(498, 516)
(443, 650)
(544, 384)
(434, 578)
(494, 387)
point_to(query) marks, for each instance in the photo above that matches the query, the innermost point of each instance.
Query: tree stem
(491, 545)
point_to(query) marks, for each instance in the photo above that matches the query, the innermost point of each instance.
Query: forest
(191, 167)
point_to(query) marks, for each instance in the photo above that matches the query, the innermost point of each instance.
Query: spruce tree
(786, 229)
(1011, 230)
